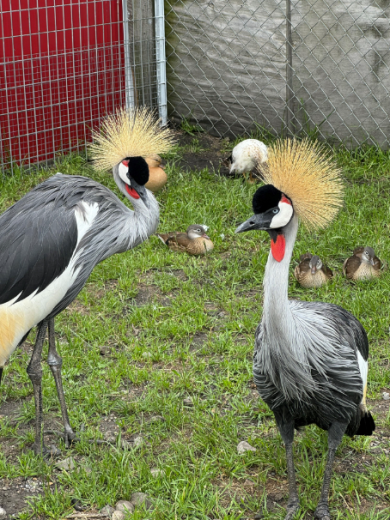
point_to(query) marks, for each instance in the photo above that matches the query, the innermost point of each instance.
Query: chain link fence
(65, 64)
(301, 67)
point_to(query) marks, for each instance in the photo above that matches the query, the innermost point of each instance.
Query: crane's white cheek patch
(122, 170)
(282, 218)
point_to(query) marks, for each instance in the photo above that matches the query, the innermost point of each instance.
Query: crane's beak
(141, 190)
(257, 221)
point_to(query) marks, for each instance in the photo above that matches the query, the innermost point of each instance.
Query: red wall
(61, 70)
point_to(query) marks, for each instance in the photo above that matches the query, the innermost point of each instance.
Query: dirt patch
(15, 493)
(202, 151)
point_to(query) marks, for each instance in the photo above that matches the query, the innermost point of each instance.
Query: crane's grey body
(306, 353)
(50, 241)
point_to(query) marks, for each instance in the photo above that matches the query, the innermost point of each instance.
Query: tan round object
(118, 515)
(157, 179)
(125, 506)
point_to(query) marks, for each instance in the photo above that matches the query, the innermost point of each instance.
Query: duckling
(248, 156)
(157, 175)
(362, 265)
(311, 272)
(194, 241)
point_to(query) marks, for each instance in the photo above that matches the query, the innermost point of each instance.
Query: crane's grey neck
(276, 278)
(283, 355)
(135, 226)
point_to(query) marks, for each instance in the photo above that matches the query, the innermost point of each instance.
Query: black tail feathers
(367, 424)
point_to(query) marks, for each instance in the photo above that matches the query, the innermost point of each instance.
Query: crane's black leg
(287, 432)
(34, 371)
(55, 362)
(1, 373)
(335, 434)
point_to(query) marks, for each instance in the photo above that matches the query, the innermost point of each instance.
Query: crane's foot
(69, 437)
(322, 512)
(45, 451)
(292, 508)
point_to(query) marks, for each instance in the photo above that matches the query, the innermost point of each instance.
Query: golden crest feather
(129, 133)
(304, 172)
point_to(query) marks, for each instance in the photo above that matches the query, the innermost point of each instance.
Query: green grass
(191, 335)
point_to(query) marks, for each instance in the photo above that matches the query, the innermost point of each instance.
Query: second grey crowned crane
(310, 360)
(53, 237)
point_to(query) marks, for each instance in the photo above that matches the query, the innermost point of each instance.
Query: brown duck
(362, 265)
(157, 175)
(311, 272)
(194, 241)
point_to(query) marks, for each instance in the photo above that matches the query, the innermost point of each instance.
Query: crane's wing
(38, 236)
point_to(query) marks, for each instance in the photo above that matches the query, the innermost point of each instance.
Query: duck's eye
(276, 210)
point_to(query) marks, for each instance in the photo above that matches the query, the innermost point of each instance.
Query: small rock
(125, 506)
(66, 464)
(140, 499)
(157, 472)
(107, 510)
(157, 418)
(147, 355)
(109, 437)
(188, 402)
(118, 515)
(222, 235)
(3, 512)
(244, 446)
(32, 484)
(386, 396)
(138, 442)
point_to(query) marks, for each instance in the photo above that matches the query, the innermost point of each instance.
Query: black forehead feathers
(265, 198)
(138, 170)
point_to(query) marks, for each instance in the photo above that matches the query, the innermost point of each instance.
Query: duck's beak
(205, 236)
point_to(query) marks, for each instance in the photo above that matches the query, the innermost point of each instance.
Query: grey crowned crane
(52, 238)
(310, 360)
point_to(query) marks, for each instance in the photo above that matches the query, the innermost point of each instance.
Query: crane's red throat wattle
(278, 248)
(132, 192)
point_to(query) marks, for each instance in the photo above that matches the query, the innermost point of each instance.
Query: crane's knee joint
(54, 361)
(35, 374)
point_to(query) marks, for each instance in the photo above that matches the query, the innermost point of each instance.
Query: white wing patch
(85, 215)
(363, 367)
(18, 318)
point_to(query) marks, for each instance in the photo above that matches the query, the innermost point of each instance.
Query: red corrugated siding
(61, 70)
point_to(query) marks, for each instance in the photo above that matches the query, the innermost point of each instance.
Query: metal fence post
(161, 61)
(130, 100)
(289, 72)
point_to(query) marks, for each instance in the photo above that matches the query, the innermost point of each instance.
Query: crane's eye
(276, 210)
